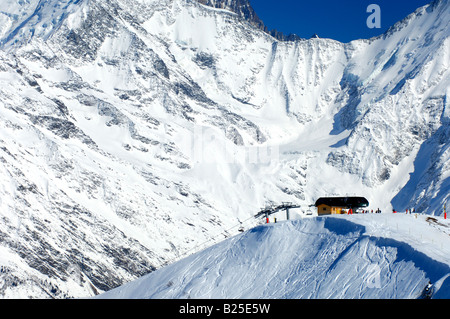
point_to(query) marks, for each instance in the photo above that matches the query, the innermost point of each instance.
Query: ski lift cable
(211, 239)
(270, 210)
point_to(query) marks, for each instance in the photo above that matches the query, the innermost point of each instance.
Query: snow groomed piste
(370, 256)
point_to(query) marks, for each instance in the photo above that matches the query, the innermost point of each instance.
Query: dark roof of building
(343, 201)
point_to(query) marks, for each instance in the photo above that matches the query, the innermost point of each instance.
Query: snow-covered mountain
(133, 131)
(321, 257)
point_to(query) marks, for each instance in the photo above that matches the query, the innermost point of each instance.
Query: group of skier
(378, 211)
(408, 211)
(364, 211)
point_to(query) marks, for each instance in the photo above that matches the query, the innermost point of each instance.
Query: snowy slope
(132, 131)
(391, 256)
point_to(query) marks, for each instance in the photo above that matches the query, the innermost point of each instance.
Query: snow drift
(366, 256)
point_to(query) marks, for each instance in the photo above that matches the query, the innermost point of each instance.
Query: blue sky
(342, 20)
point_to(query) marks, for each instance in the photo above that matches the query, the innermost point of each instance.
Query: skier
(428, 291)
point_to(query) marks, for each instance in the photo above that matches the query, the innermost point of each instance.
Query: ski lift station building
(338, 205)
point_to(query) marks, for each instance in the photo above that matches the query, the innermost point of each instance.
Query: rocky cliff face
(241, 7)
(245, 11)
(132, 132)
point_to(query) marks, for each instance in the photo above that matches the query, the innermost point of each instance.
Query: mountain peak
(242, 8)
(245, 11)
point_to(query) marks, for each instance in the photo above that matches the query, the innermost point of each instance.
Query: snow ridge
(322, 257)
